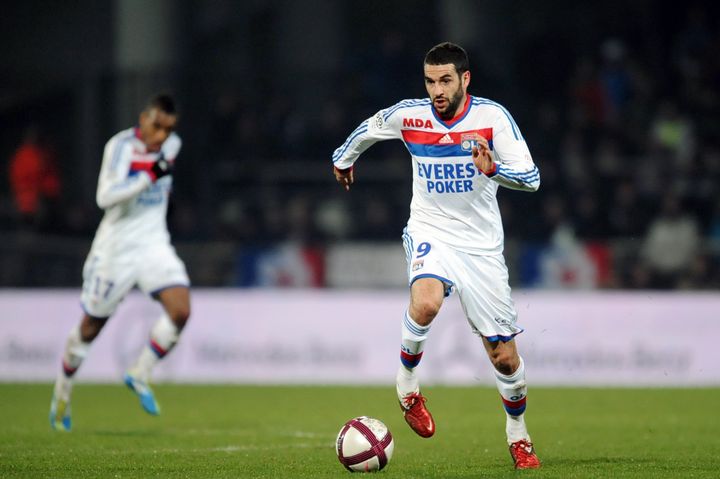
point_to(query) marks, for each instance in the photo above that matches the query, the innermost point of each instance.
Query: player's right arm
(509, 162)
(379, 127)
(116, 184)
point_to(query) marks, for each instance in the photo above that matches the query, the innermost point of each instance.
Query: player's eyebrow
(446, 76)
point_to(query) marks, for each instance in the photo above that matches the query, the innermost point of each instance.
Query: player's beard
(452, 106)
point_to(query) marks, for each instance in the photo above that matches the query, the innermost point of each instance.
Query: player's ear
(466, 78)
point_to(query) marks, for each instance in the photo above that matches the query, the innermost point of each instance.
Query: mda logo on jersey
(417, 123)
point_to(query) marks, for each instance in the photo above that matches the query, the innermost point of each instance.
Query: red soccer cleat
(416, 414)
(523, 455)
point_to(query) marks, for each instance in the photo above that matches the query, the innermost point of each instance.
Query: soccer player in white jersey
(463, 148)
(131, 248)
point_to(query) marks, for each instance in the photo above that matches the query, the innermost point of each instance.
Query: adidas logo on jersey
(446, 139)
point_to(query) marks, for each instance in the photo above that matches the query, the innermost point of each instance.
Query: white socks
(411, 351)
(513, 391)
(75, 351)
(413, 342)
(406, 382)
(163, 337)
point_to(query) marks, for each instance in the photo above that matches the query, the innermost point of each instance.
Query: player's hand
(483, 157)
(161, 167)
(344, 177)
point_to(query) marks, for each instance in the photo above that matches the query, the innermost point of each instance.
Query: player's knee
(424, 311)
(90, 327)
(180, 317)
(504, 361)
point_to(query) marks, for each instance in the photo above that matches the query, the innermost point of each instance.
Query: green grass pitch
(289, 432)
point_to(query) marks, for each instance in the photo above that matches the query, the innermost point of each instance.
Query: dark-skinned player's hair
(446, 53)
(163, 102)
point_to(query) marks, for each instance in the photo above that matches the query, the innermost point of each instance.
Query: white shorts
(480, 281)
(107, 279)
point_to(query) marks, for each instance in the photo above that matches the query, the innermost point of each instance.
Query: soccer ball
(364, 444)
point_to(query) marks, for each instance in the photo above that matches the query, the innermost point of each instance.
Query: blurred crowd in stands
(626, 134)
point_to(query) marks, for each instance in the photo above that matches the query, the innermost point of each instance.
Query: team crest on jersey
(468, 140)
(416, 265)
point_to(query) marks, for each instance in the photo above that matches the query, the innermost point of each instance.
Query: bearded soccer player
(463, 149)
(131, 248)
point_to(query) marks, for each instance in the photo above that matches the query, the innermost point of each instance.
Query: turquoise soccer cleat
(60, 414)
(145, 393)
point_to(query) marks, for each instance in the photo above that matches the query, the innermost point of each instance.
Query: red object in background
(33, 177)
(315, 261)
(601, 257)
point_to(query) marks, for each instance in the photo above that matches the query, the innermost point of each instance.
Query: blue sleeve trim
(361, 129)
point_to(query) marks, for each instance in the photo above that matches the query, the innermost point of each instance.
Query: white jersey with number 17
(452, 201)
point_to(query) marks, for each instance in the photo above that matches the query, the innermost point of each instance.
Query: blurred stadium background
(619, 104)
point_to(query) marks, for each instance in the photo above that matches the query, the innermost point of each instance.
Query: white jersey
(452, 201)
(135, 207)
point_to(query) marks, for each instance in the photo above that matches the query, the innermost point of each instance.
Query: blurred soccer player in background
(131, 247)
(463, 148)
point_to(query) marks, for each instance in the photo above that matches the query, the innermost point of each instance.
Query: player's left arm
(509, 162)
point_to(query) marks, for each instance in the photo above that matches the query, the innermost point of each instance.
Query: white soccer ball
(364, 444)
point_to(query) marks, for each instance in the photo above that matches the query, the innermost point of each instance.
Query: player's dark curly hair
(163, 102)
(447, 52)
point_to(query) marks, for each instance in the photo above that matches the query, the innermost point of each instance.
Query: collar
(450, 123)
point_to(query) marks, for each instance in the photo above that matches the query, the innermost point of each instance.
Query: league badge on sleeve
(379, 121)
